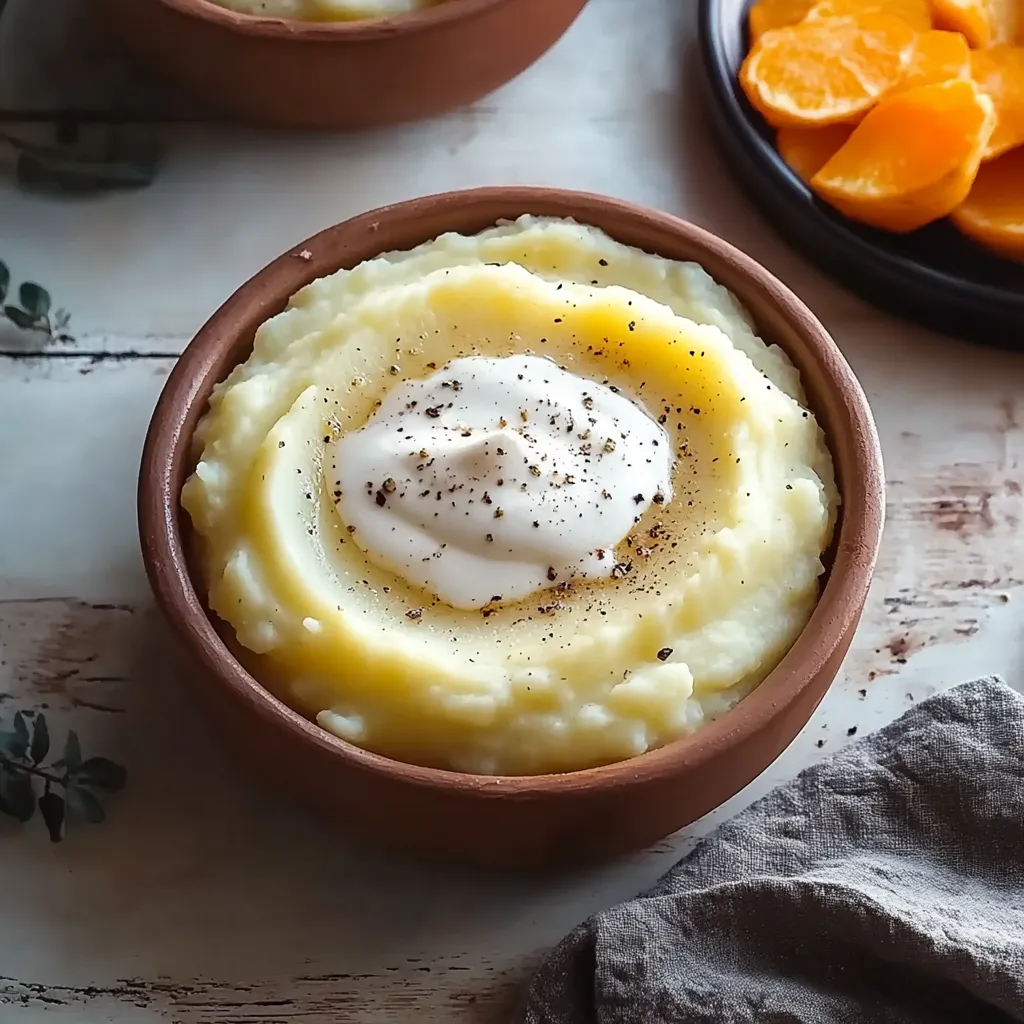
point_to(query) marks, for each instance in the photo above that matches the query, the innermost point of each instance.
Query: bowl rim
(835, 615)
(337, 31)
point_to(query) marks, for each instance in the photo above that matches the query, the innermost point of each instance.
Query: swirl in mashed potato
(645, 596)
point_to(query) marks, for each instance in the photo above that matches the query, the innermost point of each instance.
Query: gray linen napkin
(885, 884)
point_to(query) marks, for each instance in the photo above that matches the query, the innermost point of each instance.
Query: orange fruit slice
(917, 13)
(807, 150)
(939, 57)
(1000, 72)
(993, 214)
(913, 159)
(826, 71)
(983, 22)
(772, 14)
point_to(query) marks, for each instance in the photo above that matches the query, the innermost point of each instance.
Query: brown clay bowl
(339, 74)
(513, 821)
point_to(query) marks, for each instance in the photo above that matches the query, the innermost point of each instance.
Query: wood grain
(477, 994)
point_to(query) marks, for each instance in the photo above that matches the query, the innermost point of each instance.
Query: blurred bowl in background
(338, 75)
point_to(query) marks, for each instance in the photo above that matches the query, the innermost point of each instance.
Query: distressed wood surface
(202, 899)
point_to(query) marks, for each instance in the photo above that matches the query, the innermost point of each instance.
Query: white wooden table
(203, 899)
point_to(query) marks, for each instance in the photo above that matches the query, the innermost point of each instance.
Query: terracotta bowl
(339, 74)
(513, 821)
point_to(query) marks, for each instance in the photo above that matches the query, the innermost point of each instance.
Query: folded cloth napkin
(885, 884)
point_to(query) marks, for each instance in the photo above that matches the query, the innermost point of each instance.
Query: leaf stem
(6, 762)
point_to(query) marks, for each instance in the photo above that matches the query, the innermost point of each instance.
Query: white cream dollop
(495, 478)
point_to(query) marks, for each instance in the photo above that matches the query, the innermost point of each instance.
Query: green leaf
(35, 298)
(5, 280)
(15, 744)
(17, 797)
(19, 317)
(102, 773)
(72, 753)
(12, 745)
(83, 804)
(52, 807)
(40, 739)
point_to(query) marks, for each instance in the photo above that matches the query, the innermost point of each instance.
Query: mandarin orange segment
(939, 56)
(807, 150)
(771, 14)
(913, 159)
(826, 71)
(983, 22)
(993, 214)
(1000, 72)
(917, 13)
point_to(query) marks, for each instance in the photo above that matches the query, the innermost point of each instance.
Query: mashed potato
(635, 611)
(326, 10)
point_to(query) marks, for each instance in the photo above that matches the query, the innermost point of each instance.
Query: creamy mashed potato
(326, 10)
(613, 651)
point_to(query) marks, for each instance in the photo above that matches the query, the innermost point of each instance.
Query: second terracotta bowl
(345, 75)
(534, 820)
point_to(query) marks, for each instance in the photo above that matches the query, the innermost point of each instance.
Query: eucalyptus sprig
(70, 785)
(32, 311)
(85, 159)
(77, 153)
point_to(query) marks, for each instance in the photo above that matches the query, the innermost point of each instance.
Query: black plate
(934, 276)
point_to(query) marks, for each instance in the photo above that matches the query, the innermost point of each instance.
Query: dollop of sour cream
(495, 478)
